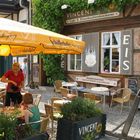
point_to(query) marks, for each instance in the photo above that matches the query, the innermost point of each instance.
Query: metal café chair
(2, 97)
(65, 93)
(56, 107)
(37, 99)
(43, 124)
(92, 97)
(121, 96)
(57, 85)
(52, 115)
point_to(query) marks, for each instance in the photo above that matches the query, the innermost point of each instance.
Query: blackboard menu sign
(133, 85)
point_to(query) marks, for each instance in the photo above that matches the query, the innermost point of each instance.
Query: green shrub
(10, 128)
(8, 124)
(80, 109)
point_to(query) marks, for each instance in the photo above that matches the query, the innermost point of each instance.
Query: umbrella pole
(32, 84)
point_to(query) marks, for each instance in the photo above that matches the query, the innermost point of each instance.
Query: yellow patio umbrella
(21, 39)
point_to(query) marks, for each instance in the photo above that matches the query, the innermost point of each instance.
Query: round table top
(103, 89)
(61, 102)
(69, 84)
(3, 85)
(11, 110)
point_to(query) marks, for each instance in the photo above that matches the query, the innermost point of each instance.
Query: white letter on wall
(126, 52)
(126, 64)
(126, 39)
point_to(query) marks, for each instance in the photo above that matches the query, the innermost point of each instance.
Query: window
(110, 52)
(35, 58)
(75, 61)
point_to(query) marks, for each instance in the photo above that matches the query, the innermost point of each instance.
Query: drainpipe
(30, 64)
(20, 3)
(32, 83)
(29, 21)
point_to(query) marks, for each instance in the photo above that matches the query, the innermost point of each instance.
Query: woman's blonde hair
(16, 65)
(28, 98)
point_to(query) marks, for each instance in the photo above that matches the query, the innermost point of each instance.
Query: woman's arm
(21, 85)
(27, 114)
(5, 80)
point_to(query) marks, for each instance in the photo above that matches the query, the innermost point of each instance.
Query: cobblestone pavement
(114, 118)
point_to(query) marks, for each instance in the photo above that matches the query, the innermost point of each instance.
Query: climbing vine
(48, 14)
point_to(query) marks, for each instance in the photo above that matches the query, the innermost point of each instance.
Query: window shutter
(90, 59)
(126, 52)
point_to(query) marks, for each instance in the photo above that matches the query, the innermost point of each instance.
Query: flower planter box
(91, 129)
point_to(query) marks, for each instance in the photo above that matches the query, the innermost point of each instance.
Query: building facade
(112, 47)
(21, 10)
(16, 10)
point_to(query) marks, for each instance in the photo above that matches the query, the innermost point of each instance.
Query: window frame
(110, 47)
(75, 56)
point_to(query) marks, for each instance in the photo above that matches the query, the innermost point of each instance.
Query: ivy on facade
(48, 14)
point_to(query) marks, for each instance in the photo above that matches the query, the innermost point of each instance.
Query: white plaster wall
(23, 15)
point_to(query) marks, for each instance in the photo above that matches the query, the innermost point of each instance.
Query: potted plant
(81, 120)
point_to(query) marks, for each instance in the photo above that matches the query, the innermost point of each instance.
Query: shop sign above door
(90, 15)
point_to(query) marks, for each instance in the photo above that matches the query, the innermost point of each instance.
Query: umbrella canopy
(20, 39)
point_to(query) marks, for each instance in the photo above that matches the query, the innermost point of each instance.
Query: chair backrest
(58, 84)
(44, 123)
(64, 91)
(2, 93)
(49, 110)
(2, 97)
(55, 98)
(90, 96)
(126, 94)
(56, 107)
(37, 99)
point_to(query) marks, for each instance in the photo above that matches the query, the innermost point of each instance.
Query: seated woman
(30, 111)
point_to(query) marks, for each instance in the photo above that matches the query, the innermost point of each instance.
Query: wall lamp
(91, 1)
(64, 6)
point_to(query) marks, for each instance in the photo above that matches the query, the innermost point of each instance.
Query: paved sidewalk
(114, 118)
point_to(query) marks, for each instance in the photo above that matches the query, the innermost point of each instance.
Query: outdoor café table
(2, 86)
(2, 92)
(69, 85)
(60, 102)
(103, 91)
(15, 112)
(12, 110)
